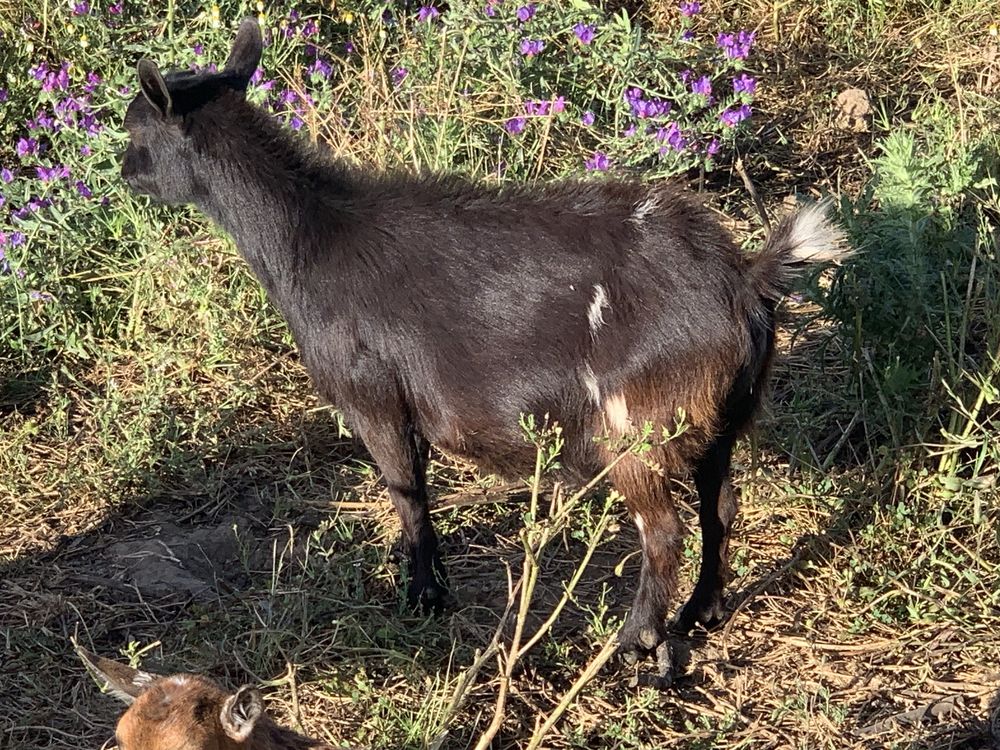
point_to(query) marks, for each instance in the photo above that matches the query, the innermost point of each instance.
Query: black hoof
(706, 611)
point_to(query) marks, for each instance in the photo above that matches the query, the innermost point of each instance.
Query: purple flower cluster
(585, 32)
(320, 67)
(702, 86)
(744, 85)
(398, 74)
(515, 125)
(587, 118)
(736, 46)
(690, 9)
(599, 162)
(526, 12)
(735, 115)
(51, 80)
(644, 108)
(532, 47)
(543, 108)
(672, 136)
(427, 13)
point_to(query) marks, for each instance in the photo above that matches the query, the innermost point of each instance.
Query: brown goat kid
(434, 310)
(189, 711)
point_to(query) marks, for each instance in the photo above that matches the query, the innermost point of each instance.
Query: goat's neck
(259, 215)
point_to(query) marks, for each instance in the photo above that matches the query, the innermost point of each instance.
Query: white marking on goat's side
(641, 525)
(595, 314)
(590, 381)
(647, 207)
(179, 680)
(616, 411)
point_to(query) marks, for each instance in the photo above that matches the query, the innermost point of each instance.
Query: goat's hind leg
(648, 498)
(717, 511)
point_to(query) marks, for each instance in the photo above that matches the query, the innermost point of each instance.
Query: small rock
(852, 110)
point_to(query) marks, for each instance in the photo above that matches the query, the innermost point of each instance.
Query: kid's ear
(247, 49)
(240, 712)
(154, 88)
(120, 680)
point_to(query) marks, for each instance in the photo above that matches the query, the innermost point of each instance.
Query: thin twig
(758, 203)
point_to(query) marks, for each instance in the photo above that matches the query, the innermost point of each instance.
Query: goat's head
(161, 158)
(179, 712)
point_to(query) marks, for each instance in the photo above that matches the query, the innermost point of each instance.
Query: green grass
(156, 409)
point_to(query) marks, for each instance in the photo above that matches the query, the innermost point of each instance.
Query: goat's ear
(240, 712)
(120, 680)
(154, 88)
(247, 49)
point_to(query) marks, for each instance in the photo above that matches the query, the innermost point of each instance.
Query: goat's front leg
(401, 453)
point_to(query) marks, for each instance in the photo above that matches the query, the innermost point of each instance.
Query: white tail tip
(813, 238)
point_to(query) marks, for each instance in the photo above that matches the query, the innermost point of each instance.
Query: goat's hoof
(431, 599)
(670, 661)
(637, 643)
(706, 611)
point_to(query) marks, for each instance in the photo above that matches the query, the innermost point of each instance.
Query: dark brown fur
(432, 310)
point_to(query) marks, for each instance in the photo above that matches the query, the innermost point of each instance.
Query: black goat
(433, 310)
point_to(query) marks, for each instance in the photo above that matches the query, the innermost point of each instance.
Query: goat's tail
(802, 238)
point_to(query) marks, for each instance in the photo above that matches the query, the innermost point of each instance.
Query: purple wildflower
(736, 46)
(296, 122)
(311, 28)
(125, 90)
(687, 35)
(558, 105)
(673, 136)
(117, 8)
(85, 150)
(585, 32)
(47, 174)
(6, 175)
(198, 49)
(629, 131)
(293, 15)
(690, 9)
(321, 67)
(515, 125)
(93, 81)
(58, 80)
(532, 47)
(599, 162)
(713, 147)
(83, 190)
(38, 72)
(587, 118)
(427, 13)
(702, 86)
(732, 117)
(349, 47)
(744, 84)
(526, 12)
(37, 296)
(16, 238)
(3, 95)
(398, 74)
(81, 8)
(489, 10)
(26, 147)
